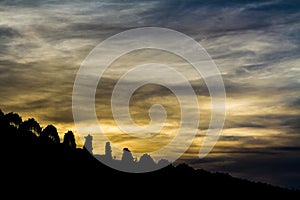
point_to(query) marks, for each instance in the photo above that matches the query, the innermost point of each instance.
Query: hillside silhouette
(30, 152)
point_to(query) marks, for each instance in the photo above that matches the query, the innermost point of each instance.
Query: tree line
(31, 152)
(30, 130)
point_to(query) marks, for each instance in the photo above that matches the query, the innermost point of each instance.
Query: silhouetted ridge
(30, 152)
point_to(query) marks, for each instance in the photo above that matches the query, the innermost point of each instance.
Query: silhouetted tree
(9, 124)
(13, 119)
(2, 120)
(31, 126)
(127, 156)
(108, 151)
(146, 161)
(50, 134)
(88, 144)
(69, 139)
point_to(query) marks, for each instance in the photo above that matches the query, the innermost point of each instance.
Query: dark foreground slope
(30, 164)
(60, 166)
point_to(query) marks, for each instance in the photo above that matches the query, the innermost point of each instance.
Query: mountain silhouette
(31, 154)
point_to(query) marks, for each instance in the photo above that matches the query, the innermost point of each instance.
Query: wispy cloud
(255, 44)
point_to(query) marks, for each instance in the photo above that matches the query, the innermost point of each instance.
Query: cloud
(255, 45)
(256, 166)
(7, 32)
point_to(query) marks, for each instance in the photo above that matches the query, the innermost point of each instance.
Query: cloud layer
(255, 45)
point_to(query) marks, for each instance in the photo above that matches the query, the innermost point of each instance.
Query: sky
(255, 45)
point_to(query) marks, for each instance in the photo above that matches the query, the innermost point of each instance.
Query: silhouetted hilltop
(29, 152)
